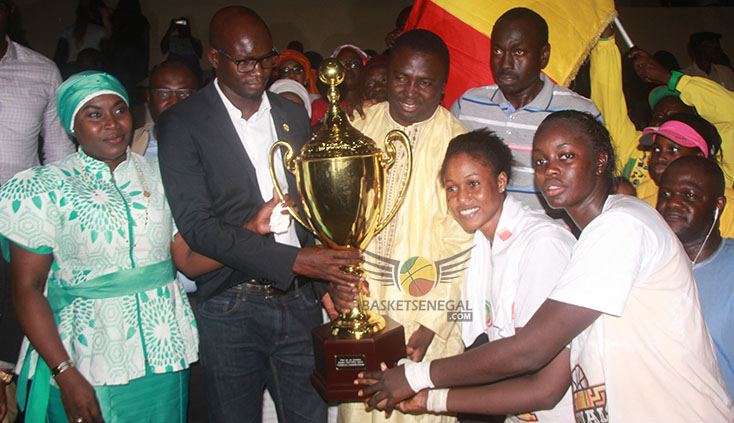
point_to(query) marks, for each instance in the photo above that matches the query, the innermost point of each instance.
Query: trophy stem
(359, 322)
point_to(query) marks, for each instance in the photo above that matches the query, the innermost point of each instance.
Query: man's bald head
(706, 172)
(234, 18)
(528, 16)
(238, 35)
(690, 198)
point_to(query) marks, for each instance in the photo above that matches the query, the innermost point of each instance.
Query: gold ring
(79, 420)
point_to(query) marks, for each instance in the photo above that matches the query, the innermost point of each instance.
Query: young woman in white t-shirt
(626, 303)
(517, 257)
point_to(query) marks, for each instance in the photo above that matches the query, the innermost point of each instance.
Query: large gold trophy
(340, 175)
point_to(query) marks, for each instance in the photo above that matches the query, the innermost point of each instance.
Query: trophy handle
(290, 164)
(387, 160)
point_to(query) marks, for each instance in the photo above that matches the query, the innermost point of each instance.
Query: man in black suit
(256, 313)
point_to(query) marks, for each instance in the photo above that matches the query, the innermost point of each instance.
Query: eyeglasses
(351, 64)
(248, 63)
(297, 69)
(166, 93)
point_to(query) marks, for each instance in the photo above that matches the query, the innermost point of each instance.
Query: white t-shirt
(649, 356)
(528, 254)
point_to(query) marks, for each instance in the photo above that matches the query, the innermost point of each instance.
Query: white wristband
(418, 375)
(437, 400)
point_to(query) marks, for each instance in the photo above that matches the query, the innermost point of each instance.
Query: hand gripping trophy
(340, 175)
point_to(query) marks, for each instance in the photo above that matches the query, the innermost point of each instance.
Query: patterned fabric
(422, 235)
(28, 83)
(97, 222)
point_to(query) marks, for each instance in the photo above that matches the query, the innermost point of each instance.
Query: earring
(599, 171)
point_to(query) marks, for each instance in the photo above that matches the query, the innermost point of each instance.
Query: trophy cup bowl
(340, 176)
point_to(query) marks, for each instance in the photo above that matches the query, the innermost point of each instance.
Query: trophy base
(339, 360)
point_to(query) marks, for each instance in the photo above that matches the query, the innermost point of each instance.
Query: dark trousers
(248, 343)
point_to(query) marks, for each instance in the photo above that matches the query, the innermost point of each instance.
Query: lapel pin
(286, 127)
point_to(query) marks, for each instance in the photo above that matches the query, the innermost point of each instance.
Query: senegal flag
(466, 26)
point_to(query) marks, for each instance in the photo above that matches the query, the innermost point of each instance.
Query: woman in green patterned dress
(115, 332)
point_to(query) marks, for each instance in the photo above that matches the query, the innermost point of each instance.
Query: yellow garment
(422, 227)
(607, 94)
(648, 191)
(726, 221)
(713, 102)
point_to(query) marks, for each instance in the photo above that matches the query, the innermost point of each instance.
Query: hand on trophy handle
(260, 223)
(319, 262)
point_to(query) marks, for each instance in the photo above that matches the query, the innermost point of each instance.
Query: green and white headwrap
(76, 91)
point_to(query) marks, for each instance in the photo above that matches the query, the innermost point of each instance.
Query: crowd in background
(550, 161)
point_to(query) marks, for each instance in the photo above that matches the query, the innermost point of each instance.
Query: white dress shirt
(258, 135)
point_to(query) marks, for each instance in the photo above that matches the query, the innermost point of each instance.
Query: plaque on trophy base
(339, 360)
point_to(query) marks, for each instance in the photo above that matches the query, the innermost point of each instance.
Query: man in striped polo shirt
(521, 98)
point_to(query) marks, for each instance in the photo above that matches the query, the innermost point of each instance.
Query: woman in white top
(627, 303)
(518, 253)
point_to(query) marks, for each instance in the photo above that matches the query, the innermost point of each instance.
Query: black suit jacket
(212, 189)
